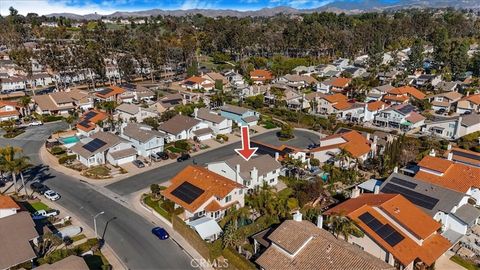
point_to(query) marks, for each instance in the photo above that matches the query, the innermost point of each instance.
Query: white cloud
(43, 7)
(197, 4)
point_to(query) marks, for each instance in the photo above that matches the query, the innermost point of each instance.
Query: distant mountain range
(338, 6)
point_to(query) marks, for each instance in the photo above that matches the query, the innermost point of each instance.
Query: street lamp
(95, 222)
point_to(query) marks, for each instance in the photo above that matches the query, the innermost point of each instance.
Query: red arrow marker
(246, 152)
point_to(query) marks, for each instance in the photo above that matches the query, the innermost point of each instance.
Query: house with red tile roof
(458, 176)
(9, 110)
(111, 93)
(395, 230)
(352, 141)
(203, 193)
(260, 76)
(328, 104)
(373, 108)
(469, 104)
(336, 85)
(408, 91)
(198, 83)
(88, 122)
(8, 206)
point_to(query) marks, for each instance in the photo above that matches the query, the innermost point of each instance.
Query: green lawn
(39, 206)
(99, 170)
(465, 263)
(173, 149)
(156, 206)
(269, 125)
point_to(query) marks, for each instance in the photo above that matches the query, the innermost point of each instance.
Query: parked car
(183, 157)
(441, 111)
(162, 155)
(155, 157)
(51, 195)
(39, 187)
(46, 213)
(467, 112)
(138, 163)
(161, 233)
(35, 123)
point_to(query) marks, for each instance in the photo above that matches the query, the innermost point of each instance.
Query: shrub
(182, 144)
(64, 159)
(51, 118)
(57, 150)
(237, 260)
(222, 137)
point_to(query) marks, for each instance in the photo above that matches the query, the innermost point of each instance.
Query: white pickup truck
(46, 213)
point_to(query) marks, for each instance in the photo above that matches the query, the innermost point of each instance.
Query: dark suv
(183, 157)
(39, 187)
(162, 155)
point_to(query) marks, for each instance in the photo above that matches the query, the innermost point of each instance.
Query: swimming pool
(69, 140)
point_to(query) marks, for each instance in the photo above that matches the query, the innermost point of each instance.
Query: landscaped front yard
(98, 172)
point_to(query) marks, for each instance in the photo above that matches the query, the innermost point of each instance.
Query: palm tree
(231, 237)
(25, 102)
(343, 156)
(70, 119)
(343, 225)
(14, 162)
(236, 214)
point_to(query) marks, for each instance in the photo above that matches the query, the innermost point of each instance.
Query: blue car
(161, 233)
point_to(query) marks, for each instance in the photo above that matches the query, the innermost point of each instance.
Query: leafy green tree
(415, 59)
(286, 131)
(126, 67)
(459, 57)
(343, 225)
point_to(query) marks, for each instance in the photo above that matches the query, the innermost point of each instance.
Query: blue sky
(108, 6)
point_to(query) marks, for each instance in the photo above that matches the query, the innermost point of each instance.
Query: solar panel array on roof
(187, 192)
(385, 231)
(466, 155)
(416, 198)
(406, 109)
(89, 115)
(94, 145)
(105, 91)
(402, 182)
(84, 123)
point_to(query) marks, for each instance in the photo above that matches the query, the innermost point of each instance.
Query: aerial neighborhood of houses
(331, 163)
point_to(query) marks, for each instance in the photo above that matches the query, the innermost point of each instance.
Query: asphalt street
(127, 233)
(162, 174)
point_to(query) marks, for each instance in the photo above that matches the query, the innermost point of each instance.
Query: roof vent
(297, 216)
(397, 210)
(329, 248)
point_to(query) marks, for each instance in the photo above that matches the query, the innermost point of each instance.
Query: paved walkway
(444, 263)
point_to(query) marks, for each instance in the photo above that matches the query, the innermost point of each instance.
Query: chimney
(395, 170)
(297, 216)
(276, 156)
(432, 153)
(355, 192)
(449, 147)
(375, 139)
(450, 156)
(320, 221)
(368, 136)
(237, 174)
(195, 112)
(376, 189)
(254, 174)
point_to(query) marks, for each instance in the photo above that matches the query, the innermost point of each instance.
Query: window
(240, 192)
(228, 198)
(452, 125)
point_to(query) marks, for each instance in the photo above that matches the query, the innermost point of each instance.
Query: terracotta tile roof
(116, 90)
(99, 116)
(473, 98)
(9, 113)
(340, 82)
(411, 91)
(435, 163)
(215, 206)
(395, 98)
(7, 202)
(406, 216)
(343, 105)
(212, 184)
(195, 80)
(260, 75)
(456, 176)
(9, 103)
(321, 251)
(376, 105)
(354, 143)
(335, 98)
